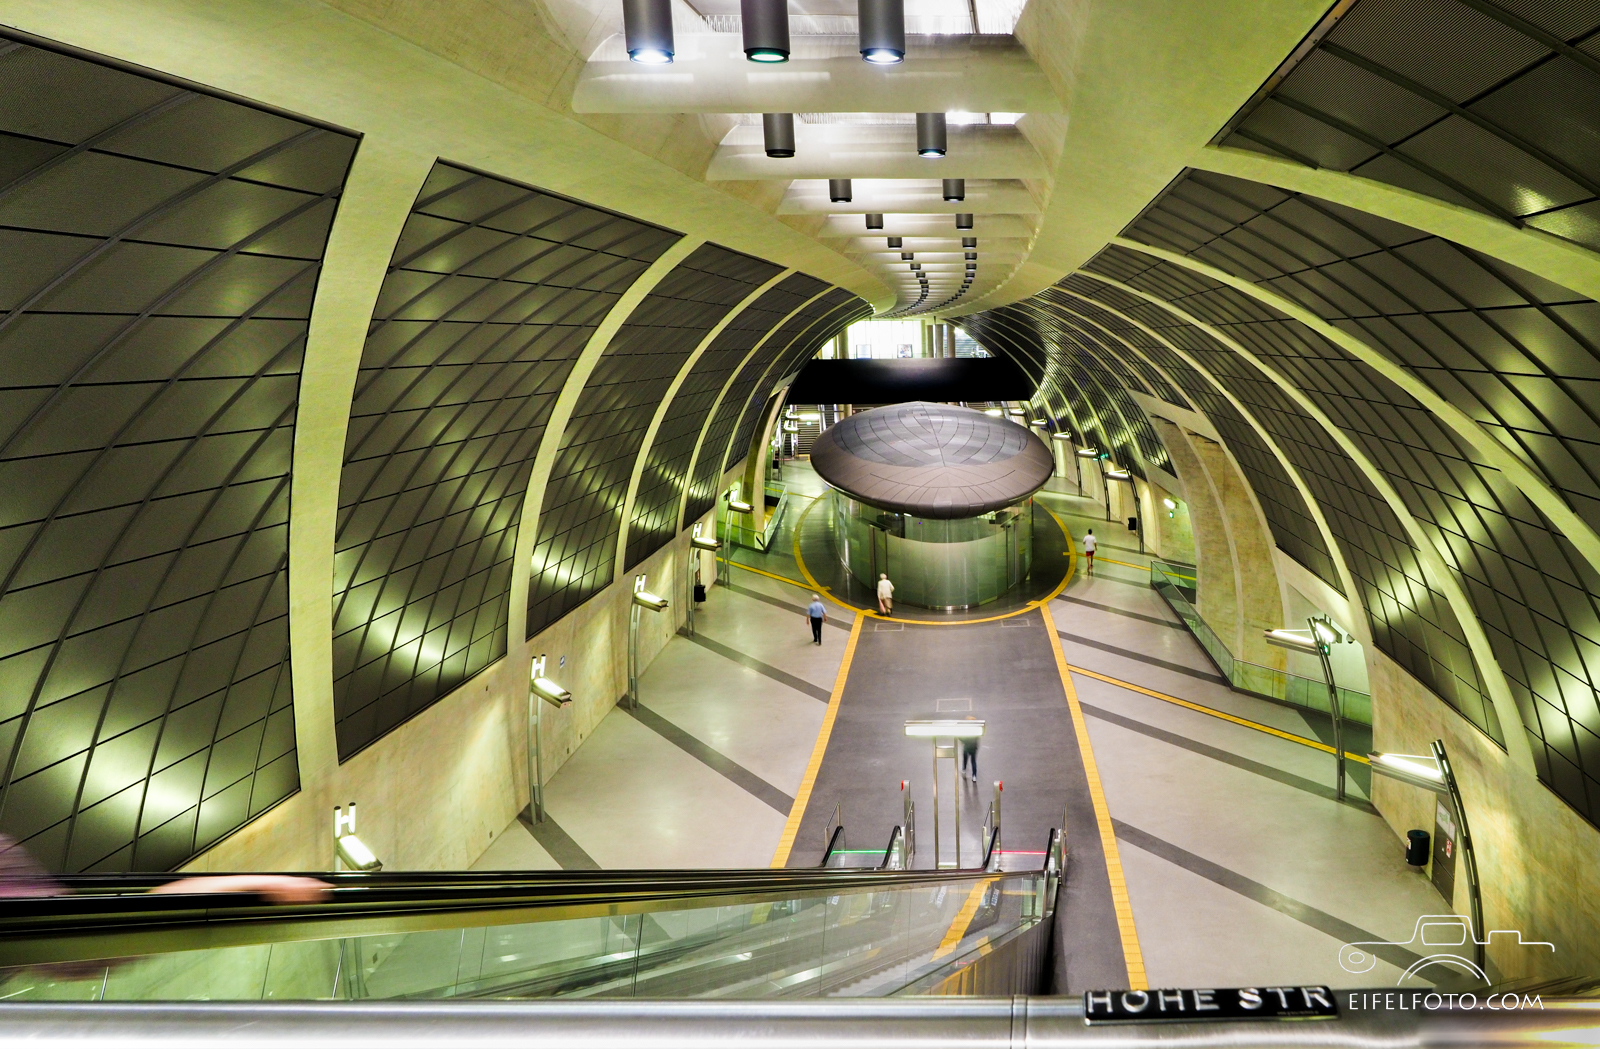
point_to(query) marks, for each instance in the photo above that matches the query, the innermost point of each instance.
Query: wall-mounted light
(874, 221)
(647, 28)
(766, 29)
(881, 29)
(932, 139)
(777, 134)
(1419, 770)
(963, 221)
(646, 599)
(839, 190)
(1294, 640)
(1118, 475)
(739, 506)
(705, 542)
(352, 853)
(1169, 504)
(955, 189)
(1088, 453)
(969, 242)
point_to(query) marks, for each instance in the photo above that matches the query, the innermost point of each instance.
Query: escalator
(839, 930)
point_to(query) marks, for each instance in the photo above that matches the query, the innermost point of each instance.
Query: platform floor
(1240, 866)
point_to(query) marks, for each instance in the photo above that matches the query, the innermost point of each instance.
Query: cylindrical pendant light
(907, 256)
(972, 256)
(882, 28)
(839, 190)
(963, 221)
(969, 242)
(874, 221)
(647, 27)
(777, 134)
(931, 138)
(916, 266)
(955, 189)
(766, 29)
(895, 242)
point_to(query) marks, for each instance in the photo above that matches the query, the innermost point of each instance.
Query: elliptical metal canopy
(936, 461)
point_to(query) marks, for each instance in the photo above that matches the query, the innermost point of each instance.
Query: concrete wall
(1536, 856)
(435, 793)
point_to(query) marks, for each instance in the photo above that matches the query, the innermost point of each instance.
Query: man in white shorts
(885, 594)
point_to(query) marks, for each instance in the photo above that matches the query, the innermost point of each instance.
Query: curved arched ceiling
(1417, 415)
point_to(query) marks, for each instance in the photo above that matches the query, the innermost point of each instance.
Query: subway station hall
(695, 523)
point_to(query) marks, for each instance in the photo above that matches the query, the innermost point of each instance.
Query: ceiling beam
(874, 151)
(825, 74)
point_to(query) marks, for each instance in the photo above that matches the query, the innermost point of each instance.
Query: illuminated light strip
(791, 829)
(1072, 564)
(958, 928)
(1132, 954)
(1315, 744)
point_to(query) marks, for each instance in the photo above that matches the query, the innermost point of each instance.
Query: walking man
(816, 612)
(969, 756)
(1089, 543)
(885, 594)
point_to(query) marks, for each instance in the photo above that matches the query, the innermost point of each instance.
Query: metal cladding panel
(493, 292)
(1294, 531)
(159, 250)
(1108, 337)
(1391, 432)
(574, 557)
(661, 486)
(1490, 104)
(847, 309)
(725, 415)
(1518, 354)
(1100, 407)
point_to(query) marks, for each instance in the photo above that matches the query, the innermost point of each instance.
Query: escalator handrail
(115, 913)
(835, 841)
(889, 850)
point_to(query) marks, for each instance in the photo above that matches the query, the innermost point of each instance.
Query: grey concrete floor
(1240, 866)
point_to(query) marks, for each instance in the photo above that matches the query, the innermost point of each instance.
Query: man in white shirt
(1089, 543)
(885, 594)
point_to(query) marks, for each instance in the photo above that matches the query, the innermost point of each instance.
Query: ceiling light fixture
(839, 190)
(972, 256)
(907, 256)
(895, 242)
(766, 29)
(647, 28)
(955, 189)
(932, 140)
(882, 31)
(874, 221)
(777, 134)
(963, 221)
(969, 242)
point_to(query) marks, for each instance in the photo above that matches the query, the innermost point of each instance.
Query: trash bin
(699, 593)
(1418, 848)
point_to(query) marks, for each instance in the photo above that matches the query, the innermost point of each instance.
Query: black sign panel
(1239, 1003)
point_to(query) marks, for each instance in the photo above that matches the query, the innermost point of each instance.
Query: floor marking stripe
(1315, 744)
(958, 927)
(791, 829)
(1131, 952)
(1072, 563)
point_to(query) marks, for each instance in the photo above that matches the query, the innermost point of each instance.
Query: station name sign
(1221, 1003)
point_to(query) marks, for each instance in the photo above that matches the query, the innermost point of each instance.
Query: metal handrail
(891, 855)
(835, 843)
(885, 1023)
(115, 915)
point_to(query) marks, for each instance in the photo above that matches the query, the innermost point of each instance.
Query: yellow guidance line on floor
(791, 829)
(1315, 744)
(1131, 952)
(958, 927)
(811, 581)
